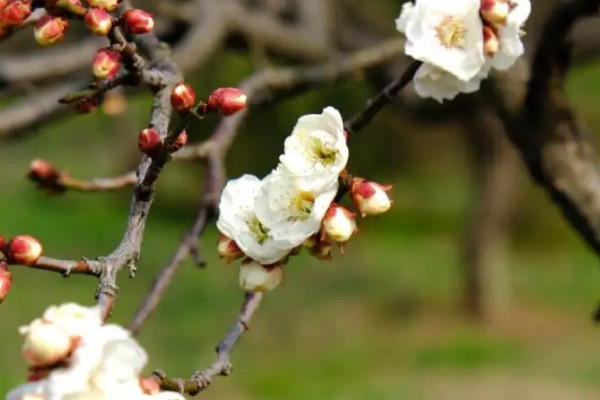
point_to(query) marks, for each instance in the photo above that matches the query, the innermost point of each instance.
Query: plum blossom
(446, 34)
(316, 151)
(104, 364)
(239, 221)
(291, 207)
(461, 41)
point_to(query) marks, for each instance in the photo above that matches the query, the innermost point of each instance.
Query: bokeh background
(387, 320)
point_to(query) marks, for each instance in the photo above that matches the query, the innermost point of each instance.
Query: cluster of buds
(494, 14)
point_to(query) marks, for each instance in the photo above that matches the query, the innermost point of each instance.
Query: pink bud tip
(24, 250)
(495, 11)
(15, 12)
(98, 21)
(106, 64)
(369, 197)
(183, 98)
(42, 170)
(149, 141)
(228, 250)
(149, 385)
(50, 30)
(226, 101)
(5, 281)
(138, 21)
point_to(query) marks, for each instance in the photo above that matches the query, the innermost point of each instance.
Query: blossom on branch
(77, 357)
(461, 41)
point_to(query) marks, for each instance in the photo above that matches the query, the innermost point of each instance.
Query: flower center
(451, 32)
(258, 230)
(323, 153)
(302, 206)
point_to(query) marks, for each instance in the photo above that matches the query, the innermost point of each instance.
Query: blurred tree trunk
(494, 167)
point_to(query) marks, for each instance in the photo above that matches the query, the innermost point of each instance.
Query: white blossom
(430, 81)
(446, 34)
(104, 365)
(316, 151)
(292, 208)
(239, 221)
(73, 318)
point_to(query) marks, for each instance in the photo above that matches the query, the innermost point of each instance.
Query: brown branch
(98, 184)
(546, 131)
(65, 267)
(222, 365)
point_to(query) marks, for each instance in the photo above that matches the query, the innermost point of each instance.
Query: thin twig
(386, 96)
(222, 365)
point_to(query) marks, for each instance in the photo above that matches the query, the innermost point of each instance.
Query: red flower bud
(183, 98)
(3, 3)
(98, 21)
(106, 64)
(15, 12)
(149, 141)
(2, 242)
(370, 197)
(24, 250)
(138, 21)
(108, 5)
(181, 141)
(226, 101)
(491, 43)
(50, 30)
(5, 281)
(228, 250)
(495, 11)
(42, 171)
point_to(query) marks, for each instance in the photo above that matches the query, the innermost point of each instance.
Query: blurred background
(472, 287)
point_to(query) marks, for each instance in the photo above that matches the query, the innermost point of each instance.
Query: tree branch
(222, 365)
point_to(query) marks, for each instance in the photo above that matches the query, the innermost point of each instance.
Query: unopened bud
(226, 101)
(42, 171)
(495, 11)
(106, 64)
(181, 141)
(45, 343)
(98, 21)
(5, 281)
(228, 249)
(339, 223)
(108, 5)
(183, 98)
(369, 197)
(24, 250)
(491, 43)
(15, 12)
(149, 141)
(138, 21)
(50, 30)
(3, 3)
(255, 277)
